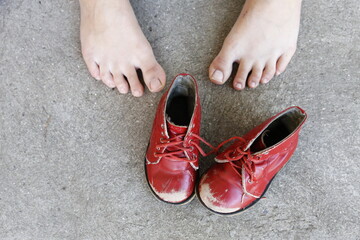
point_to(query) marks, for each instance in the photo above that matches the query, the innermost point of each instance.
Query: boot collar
(251, 136)
(196, 105)
(265, 125)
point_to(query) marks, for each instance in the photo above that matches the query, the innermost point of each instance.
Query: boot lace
(175, 149)
(238, 158)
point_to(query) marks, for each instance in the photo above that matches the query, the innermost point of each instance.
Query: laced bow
(238, 158)
(175, 149)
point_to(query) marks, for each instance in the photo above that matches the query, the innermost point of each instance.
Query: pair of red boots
(243, 171)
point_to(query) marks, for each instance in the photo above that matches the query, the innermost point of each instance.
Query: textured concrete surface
(71, 163)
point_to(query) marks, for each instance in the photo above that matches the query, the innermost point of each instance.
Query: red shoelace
(238, 158)
(174, 149)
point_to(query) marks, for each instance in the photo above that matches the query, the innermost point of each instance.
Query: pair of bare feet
(263, 41)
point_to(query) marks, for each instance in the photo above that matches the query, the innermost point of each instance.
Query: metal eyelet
(162, 134)
(158, 148)
(162, 126)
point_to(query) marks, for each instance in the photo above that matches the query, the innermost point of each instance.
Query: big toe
(154, 76)
(284, 60)
(220, 69)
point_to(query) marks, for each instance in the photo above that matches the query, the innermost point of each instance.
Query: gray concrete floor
(71, 163)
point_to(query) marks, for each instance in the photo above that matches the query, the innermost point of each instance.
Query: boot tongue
(259, 144)
(174, 129)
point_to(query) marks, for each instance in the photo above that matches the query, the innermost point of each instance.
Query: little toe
(106, 76)
(255, 76)
(269, 72)
(283, 61)
(121, 83)
(154, 76)
(93, 69)
(241, 75)
(220, 69)
(136, 87)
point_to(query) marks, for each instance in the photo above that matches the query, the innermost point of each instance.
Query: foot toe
(255, 76)
(220, 69)
(106, 76)
(136, 87)
(154, 76)
(93, 69)
(241, 75)
(283, 61)
(269, 72)
(121, 83)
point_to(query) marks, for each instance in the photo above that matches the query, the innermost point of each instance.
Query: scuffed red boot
(245, 169)
(172, 156)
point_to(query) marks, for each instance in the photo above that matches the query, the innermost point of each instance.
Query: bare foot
(262, 41)
(114, 47)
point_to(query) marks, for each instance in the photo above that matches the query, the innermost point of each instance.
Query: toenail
(155, 84)
(238, 85)
(265, 80)
(253, 84)
(123, 90)
(278, 73)
(137, 93)
(218, 76)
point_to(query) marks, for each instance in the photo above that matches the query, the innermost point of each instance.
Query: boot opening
(181, 101)
(279, 129)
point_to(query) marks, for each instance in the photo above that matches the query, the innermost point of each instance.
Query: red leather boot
(171, 162)
(245, 169)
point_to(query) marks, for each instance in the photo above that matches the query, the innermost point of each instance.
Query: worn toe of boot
(220, 190)
(172, 186)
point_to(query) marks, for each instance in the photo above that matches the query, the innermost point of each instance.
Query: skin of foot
(262, 41)
(114, 47)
